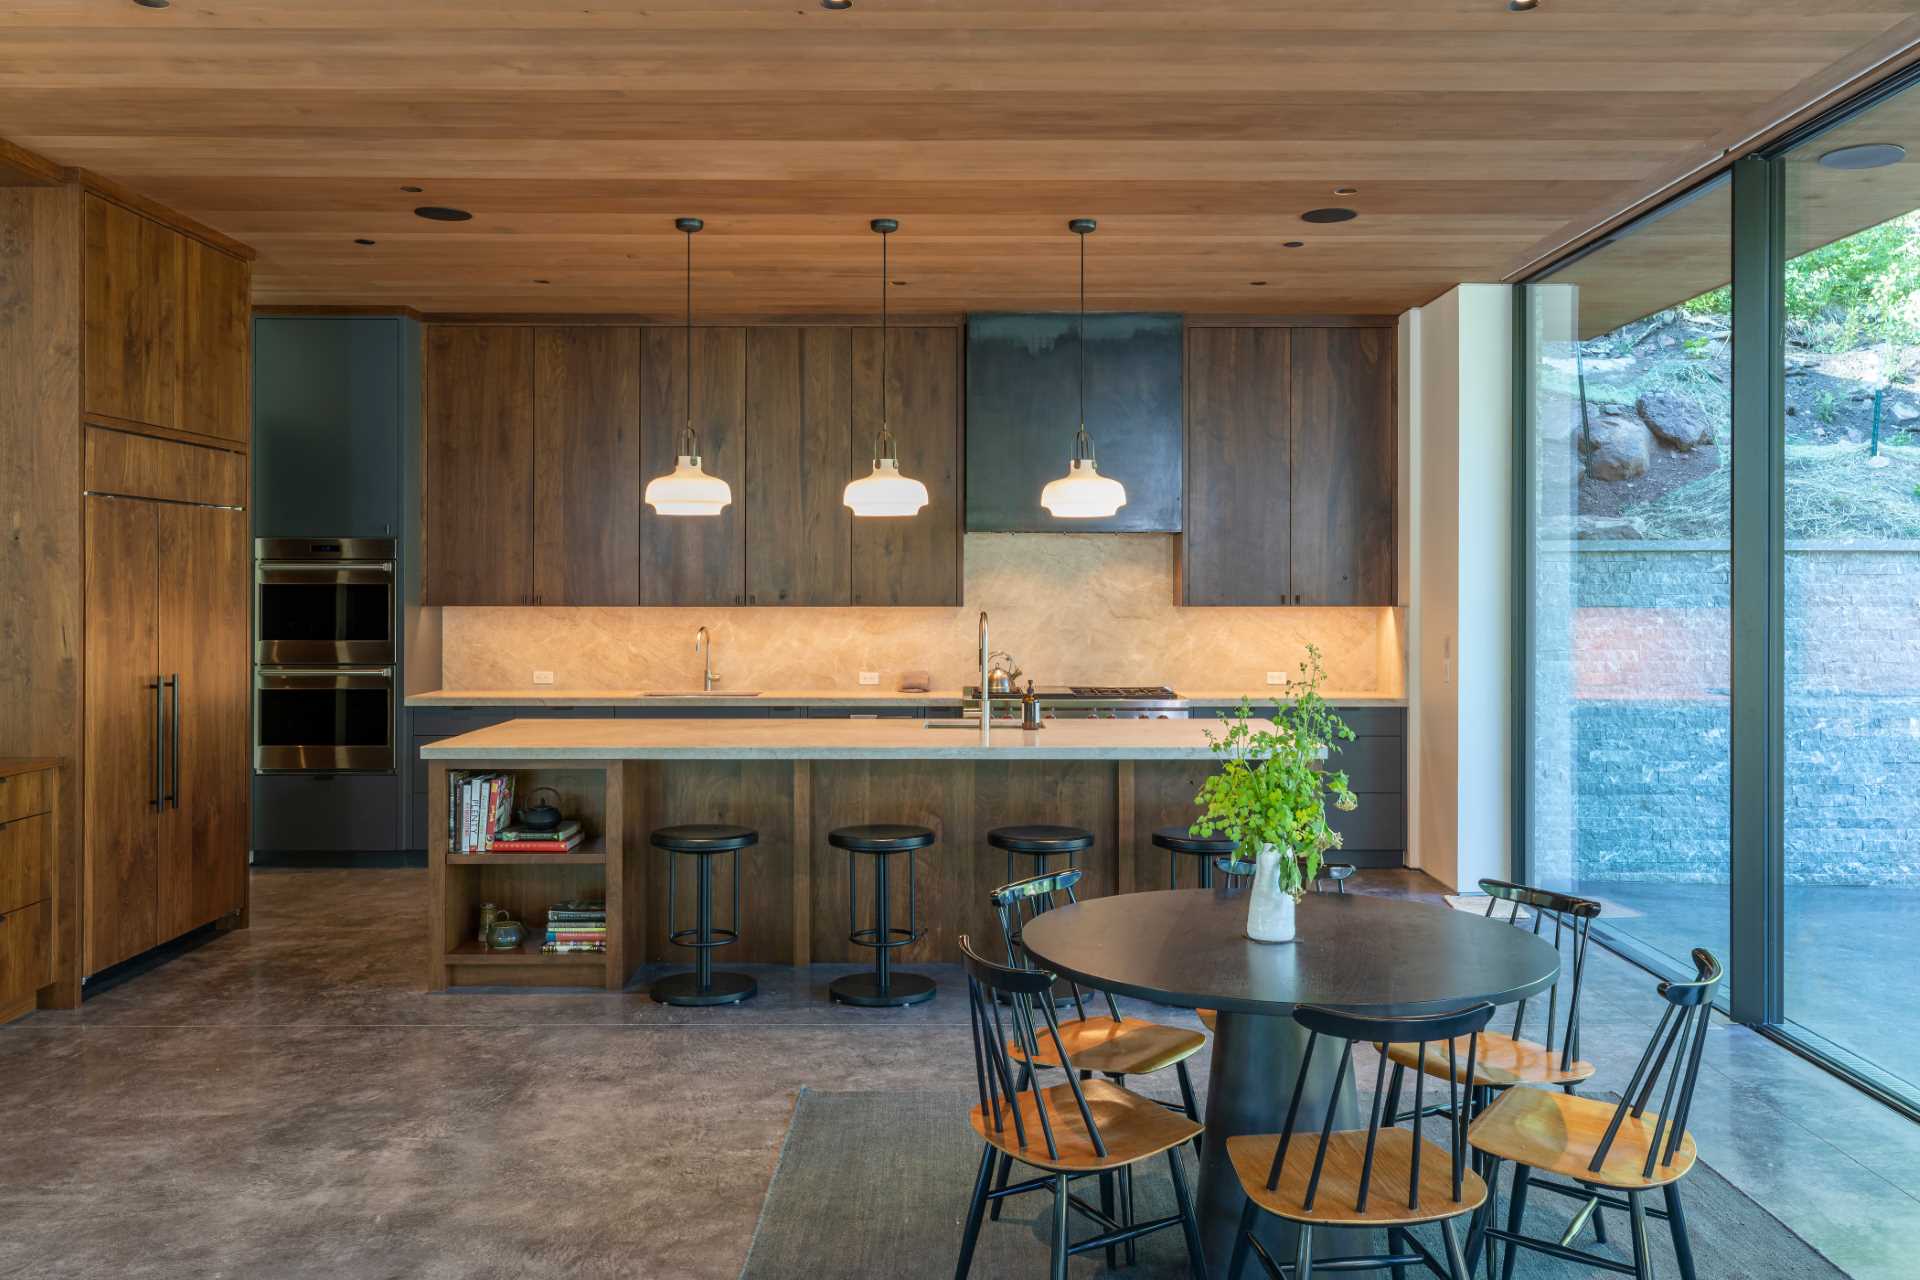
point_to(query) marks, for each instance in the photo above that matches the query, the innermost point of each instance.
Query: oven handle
(280, 571)
(324, 678)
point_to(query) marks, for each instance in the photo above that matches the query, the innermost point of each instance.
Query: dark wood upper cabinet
(915, 560)
(799, 459)
(1237, 546)
(479, 434)
(692, 560)
(133, 294)
(586, 466)
(1345, 471)
(1291, 467)
(215, 316)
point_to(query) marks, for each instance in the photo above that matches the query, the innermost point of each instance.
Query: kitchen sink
(969, 724)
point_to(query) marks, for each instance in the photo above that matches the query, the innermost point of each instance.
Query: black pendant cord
(690, 436)
(883, 344)
(1081, 345)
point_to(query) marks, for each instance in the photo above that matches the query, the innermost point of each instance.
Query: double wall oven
(323, 680)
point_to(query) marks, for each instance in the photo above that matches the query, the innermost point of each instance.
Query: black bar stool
(883, 988)
(1176, 841)
(705, 841)
(1039, 842)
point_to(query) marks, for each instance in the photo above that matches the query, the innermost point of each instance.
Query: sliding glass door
(1851, 790)
(1720, 723)
(1626, 364)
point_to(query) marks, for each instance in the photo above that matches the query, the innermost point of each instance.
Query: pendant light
(687, 490)
(1083, 493)
(885, 492)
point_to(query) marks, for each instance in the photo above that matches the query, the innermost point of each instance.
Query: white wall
(1460, 463)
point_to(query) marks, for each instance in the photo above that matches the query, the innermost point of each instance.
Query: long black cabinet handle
(159, 729)
(173, 771)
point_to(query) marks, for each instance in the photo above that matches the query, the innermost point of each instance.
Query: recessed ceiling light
(363, 241)
(1868, 155)
(899, 283)
(1258, 284)
(153, 4)
(441, 213)
(1523, 6)
(537, 281)
(415, 190)
(1328, 215)
(836, 5)
(1294, 244)
(1346, 191)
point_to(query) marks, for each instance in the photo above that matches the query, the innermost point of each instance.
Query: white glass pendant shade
(1083, 493)
(688, 491)
(885, 492)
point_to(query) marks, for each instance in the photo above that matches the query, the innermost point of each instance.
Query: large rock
(1620, 448)
(1680, 422)
(1556, 418)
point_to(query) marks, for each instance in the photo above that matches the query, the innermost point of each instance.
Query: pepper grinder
(1030, 709)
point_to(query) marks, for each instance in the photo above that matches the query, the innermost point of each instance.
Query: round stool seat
(1177, 840)
(881, 837)
(1040, 838)
(704, 837)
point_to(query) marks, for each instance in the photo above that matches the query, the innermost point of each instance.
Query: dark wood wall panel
(479, 445)
(751, 793)
(215, 398)
(691, 560)
(913, 561)
(586, 465)
(1236, 546)
(1345, 471)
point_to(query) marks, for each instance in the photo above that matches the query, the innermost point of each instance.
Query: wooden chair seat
(1252, 1157)
(1499, 1063)
(1132, 1127)
(1558, 1133)
(1123, 1047)
(1208, 1019)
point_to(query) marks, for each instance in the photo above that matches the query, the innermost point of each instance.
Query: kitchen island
(793, 781)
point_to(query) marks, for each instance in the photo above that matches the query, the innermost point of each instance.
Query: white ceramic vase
(1270, 909)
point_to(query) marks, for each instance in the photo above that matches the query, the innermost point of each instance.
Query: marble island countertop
(897, 739)
(549, 697)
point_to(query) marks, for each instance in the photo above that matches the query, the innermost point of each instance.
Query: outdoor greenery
(1272, 788)
(1859, 290)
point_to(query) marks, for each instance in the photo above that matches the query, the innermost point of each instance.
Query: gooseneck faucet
(986, 699)
(703, 637)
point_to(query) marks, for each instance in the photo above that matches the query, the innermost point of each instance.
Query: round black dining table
(1188, 947)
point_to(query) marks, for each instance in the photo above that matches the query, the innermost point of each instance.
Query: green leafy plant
(1273, 786)
(1825, 405)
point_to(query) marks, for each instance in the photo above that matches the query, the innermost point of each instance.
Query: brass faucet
(700, 638)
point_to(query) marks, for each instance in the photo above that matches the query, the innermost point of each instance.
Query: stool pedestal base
(863, 989)
(721, 988)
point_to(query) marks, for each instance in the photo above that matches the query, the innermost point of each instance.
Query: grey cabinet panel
(328, 410)
(326, 813)
(1377, 825)
(1374, 764)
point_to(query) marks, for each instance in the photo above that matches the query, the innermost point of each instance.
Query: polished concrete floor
(287, 1102)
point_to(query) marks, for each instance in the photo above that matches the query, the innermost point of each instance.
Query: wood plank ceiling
(1197, 131)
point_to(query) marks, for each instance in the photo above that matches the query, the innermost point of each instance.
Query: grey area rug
(874, 1185)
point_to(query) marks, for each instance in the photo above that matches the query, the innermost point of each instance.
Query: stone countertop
(602, 739)
(458, 698)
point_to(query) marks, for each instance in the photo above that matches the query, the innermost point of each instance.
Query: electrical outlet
(543, 677)
(1276, 677)
(869, 677)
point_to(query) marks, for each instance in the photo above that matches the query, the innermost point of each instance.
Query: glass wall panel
(1852, 507)
(1627, 361)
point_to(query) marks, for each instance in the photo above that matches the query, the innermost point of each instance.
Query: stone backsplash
(1070, 608)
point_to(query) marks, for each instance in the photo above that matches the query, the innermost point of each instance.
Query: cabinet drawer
(26, 951)
(22, 794)
(26, 855)
(146, 467)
